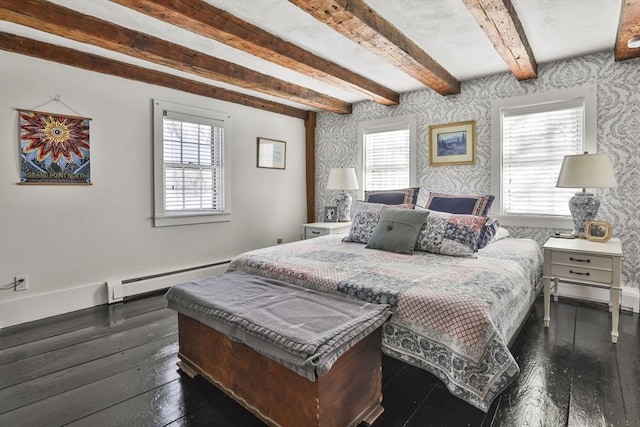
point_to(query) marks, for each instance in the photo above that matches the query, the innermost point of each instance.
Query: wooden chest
(350, 393)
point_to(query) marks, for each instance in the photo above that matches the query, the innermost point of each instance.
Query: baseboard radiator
(118, 290)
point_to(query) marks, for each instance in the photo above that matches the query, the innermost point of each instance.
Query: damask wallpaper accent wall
(618, 86)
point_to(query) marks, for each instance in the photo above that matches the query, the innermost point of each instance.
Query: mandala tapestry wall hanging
(54, 148)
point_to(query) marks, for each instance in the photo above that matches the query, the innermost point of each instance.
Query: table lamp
(585, 171)
(343, 179)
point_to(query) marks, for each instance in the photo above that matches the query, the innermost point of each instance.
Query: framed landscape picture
(452, 144)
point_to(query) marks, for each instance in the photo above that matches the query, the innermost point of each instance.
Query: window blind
(387, 160)
(535, 140)
(193, 163)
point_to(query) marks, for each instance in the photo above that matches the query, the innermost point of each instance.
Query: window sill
(535, 221)
(190, 218)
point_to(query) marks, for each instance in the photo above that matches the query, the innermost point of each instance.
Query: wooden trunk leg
(187, 368)
(372, 416)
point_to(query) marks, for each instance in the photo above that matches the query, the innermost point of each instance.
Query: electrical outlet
(22, 283)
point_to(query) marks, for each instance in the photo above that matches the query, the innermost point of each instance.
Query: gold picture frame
(598, 231)
(452, 144)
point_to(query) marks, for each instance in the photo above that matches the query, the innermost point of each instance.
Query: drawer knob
(579, 273)
(578, 259)
(315, 232)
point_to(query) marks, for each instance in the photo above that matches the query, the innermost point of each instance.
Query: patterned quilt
(452, 316)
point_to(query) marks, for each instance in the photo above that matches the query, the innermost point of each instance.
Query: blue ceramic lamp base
(584, 208)
(343, 205)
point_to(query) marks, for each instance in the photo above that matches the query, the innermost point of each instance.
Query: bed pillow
(397, 230)
(489, 230)
(365, 218)
(450, 234)
(502, 233)
(393, 197)
(478, 205)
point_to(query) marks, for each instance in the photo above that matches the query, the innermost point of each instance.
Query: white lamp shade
(342, 179)
(586, 171)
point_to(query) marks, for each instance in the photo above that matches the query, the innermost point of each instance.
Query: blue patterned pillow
(478, 205)
(404, 196)
(450, 234)
(488, 232)
(365, 218)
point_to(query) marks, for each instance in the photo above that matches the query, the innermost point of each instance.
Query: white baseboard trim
(630, 297)
(36, 307)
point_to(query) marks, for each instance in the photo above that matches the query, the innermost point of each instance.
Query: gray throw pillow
(397, 230)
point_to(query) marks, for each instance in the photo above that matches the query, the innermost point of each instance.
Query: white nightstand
(587, 263)
(317, 229)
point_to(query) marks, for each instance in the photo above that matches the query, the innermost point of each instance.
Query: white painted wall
(71, 239)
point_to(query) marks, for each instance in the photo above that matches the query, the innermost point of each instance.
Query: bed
(453, 316)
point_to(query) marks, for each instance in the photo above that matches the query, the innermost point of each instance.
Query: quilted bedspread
(452, 316)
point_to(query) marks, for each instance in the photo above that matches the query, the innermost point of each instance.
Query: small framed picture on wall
(330, 214)
(272, 154)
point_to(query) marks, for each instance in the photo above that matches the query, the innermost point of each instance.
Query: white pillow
(502, 233)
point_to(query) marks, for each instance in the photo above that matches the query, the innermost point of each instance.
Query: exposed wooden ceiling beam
(87, 61)
(499, 20)
(357, 21)
(628, 26)
(202, 18)
(64, 22)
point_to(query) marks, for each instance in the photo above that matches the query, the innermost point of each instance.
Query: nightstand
(317, 229)
(586, 263)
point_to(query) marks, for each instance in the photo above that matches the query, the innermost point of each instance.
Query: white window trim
(382, 125)
(589, 93)
(161, 217)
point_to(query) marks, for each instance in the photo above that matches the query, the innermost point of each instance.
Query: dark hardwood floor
(116, 365)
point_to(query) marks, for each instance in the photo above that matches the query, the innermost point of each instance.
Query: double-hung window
(190, 168)
(387, 154)
(534, 136)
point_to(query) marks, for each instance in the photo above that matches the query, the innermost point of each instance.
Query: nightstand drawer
(571, 272)
(582, 260)
(317, 229)
(311, 232)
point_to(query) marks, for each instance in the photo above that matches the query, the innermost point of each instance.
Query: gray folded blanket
(304, 330)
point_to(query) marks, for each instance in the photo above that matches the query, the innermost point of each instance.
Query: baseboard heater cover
(117, 290)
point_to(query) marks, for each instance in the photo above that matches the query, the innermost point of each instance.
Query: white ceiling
(445, 29)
